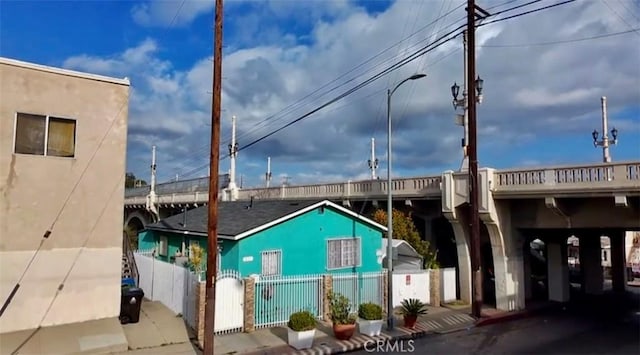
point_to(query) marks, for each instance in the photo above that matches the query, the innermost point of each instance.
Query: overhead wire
(606, 35)
(281, 113)
(391, 68)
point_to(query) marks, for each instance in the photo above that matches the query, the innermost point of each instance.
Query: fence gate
(229, 302)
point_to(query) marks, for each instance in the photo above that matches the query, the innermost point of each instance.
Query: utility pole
(212, 236)
(267, 175)
(373, 162)
(472, 150)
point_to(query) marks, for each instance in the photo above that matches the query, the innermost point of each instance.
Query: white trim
(305, 210)
(60, 71)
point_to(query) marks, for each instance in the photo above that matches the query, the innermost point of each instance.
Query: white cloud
(526, 90)
(169, 13)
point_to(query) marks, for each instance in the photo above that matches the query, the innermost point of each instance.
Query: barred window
(271, 262)
(343, 253)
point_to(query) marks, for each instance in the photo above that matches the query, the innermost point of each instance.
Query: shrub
(370, 311)
(302, 321)
(340, 307)
(413, 307)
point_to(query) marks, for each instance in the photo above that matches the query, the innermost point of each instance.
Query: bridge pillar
(591, 263)
(558, 270)
(506, 246)
(455, 214)
(618, 261)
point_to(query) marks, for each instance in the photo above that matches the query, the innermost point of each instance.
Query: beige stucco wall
(87, 229)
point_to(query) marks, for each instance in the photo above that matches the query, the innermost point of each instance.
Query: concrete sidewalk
(274, 340)
(159, 331)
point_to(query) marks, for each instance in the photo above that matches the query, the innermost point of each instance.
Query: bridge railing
(413, 186)
(592, 176)
(587, 177)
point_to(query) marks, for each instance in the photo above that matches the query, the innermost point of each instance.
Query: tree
(405, 229)
(130, 180)
(196, 256)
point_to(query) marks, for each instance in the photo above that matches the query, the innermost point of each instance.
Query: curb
(358, 342)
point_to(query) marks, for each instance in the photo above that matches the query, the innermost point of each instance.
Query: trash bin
(130, 303)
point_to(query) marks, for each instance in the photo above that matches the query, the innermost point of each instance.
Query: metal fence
(276, 298)
(360, 288)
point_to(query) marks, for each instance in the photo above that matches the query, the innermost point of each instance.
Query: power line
(175, 17)
(424, 50)
(619, 16)
(525, 13)
(561, 41)
(288, 109)
(418, 53)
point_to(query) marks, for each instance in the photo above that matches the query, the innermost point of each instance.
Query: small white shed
(404, 256)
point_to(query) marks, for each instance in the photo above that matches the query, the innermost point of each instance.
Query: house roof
(239, 219)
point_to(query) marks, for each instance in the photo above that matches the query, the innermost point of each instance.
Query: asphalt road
(559, 332)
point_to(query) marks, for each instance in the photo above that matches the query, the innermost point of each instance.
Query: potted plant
(301, 329)
(370, 319)
(410, 310)
(344, 323)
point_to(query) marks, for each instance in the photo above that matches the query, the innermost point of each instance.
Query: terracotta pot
(344, 331)
(410, 321)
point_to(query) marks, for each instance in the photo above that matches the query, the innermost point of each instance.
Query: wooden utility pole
(472, 150)
(212, 237)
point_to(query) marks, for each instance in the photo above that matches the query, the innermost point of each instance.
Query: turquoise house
(274, 238)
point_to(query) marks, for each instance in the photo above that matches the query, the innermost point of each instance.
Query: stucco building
(63, 138)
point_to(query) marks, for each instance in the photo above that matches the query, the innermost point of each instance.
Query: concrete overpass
(516, 206)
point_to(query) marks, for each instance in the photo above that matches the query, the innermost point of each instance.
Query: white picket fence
(172, 285)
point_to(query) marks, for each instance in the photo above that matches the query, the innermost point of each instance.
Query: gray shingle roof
(233, 217)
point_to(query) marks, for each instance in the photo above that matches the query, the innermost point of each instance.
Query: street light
(463, 118)
(604, 142)
(390, 205)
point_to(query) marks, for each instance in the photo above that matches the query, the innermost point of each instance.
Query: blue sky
(541, 102)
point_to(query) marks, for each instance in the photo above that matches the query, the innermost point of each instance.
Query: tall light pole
(373, 162)
(604, 143)
(390, 204)
(232, 188)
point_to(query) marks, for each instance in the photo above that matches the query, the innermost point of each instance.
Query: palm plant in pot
(344, 323)
(301, 330)
(410, 309)
(370, 319)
